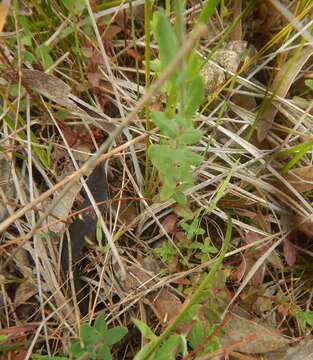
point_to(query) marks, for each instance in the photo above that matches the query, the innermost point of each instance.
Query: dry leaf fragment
(302, 351)
(50, 87)
(169, 224)
(24, 292)
(47, 85)
(6, 185)
(134, 54)
(301, 178)
(94, 79)
(263, 339)
(136, 279)
(281, 85)
(166, 305)
(290, 252)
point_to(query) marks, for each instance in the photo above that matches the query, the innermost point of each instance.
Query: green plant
(305, 318)
(193, 229)
(159, 344)
(95, 343)
(184, 92)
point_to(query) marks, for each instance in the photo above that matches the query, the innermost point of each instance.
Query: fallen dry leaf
(50, 87)
(16, 355)
(301, 178)
(281, 85)
(136, 279)
(169, 224)
(302, 351)
(134, 54)
(24, 292)
(15, 330)
(70, 135)
(6, 185)
(241, 270)
(290, 252)
(166, 305)
(94, 79)
(263, 339)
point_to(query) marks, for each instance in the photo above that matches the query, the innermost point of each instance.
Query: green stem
(168, 7)
(148, 14)
(179, 6)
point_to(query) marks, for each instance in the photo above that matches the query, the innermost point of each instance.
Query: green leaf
(180, 198)
(104, 352)
(190, 136)
(166, 125)
(166, 251)
(309, 83)
(28, 57)
(75, 349)
(14, 90)
(143, 353)
(166, 192)
(89, 335)
(26, 40)
(207, 11)
(196, 335)
(155, 65)
(100, 324)
(159, 155)
(184, 211)
(186, 157)
(74, 6)
(115, 334)
(194, 96)
(191, 314)
(193, 65)
(99, 234)
(68, 30)
(193, 229)
(213, 345)
(144, 329)
(26, 24)
(166, 38)
(304, 318)
(43, 52)
(170, 349)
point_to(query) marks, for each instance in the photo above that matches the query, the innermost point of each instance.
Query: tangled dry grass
(72, 83)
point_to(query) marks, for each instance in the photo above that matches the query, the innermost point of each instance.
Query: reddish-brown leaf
(111, 32)
(16, 330)
(134, 54)
(290, 252)
(166, 306)
(94, 79)
(16, 355)
(241, 270)
(70, 136)
(169, 224)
